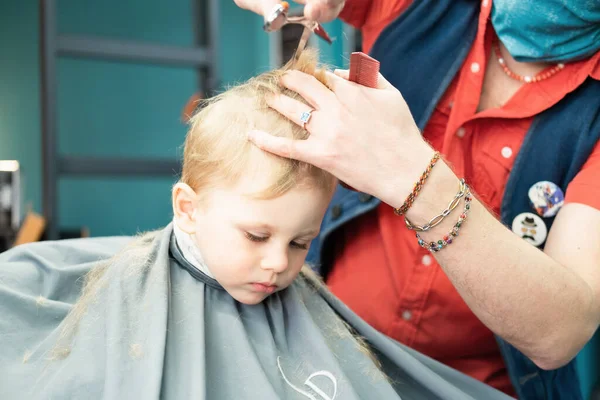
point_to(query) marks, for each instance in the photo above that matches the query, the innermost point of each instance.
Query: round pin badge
(546, 198)
(530, 227)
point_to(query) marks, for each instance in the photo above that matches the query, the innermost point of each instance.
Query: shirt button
(485, 3)
(460, 132)
(506, 152)
(450, 105)
(426, 260)
(406, 315)
(475, 68)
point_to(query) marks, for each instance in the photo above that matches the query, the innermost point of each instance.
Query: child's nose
(276, 260)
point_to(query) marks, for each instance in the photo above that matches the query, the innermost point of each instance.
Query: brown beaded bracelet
(449, 238)
(418, 186)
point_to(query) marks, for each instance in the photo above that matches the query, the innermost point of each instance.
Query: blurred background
(92, 97)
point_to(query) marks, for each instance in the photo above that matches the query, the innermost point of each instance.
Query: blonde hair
(216, 149)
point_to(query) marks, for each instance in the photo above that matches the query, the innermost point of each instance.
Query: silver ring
(305, 117)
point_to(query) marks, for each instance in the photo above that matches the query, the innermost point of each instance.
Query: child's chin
(249, 298)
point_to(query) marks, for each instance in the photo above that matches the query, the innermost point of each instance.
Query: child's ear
(184, 207)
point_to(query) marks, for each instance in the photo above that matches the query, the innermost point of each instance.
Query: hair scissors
(279, 17)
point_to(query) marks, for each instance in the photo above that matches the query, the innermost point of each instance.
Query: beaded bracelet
(433, 222)
(447, 240)
(417, 188)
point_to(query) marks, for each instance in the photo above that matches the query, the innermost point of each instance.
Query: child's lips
(264, 287)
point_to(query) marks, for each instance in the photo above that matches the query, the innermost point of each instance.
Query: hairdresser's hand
(316, 10)
(365, 137)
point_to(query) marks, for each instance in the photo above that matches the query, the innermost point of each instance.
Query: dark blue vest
(420, 54)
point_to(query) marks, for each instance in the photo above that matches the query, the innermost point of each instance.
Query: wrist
(435, 198)
(439, 189)
(403, 175)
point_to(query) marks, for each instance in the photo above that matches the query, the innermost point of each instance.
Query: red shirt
(381, 272)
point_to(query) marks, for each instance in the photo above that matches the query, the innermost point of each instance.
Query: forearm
(542, 308)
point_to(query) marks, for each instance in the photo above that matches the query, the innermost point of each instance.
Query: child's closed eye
(262, 239)
(301, 246)
(255, 238)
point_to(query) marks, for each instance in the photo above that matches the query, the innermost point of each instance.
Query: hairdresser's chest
(481, 149)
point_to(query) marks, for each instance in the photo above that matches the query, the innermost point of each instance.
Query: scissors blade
(302, 44)
(320, 32)
(312, 25)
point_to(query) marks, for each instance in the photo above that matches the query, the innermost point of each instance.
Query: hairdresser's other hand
(365, 137)
(316, 10)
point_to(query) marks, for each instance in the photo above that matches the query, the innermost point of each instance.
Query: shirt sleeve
(372, 16)
(355, 12)
(585, 187)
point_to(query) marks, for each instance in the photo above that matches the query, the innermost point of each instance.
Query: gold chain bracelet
(418, 186)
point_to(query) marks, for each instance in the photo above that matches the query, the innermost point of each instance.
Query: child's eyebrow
(259, 225)
(311, 232)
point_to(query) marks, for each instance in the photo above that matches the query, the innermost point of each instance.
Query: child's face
(255, 247)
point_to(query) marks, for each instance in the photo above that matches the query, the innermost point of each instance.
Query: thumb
(260, 7)
(322, 11)
(382, 83)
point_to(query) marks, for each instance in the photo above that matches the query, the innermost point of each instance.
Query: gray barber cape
(158, 328)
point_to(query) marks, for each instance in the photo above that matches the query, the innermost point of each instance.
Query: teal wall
(20, 93)
(125, 109)
(109, 108)
(121, 109)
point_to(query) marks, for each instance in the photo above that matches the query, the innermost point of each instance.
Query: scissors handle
(277, 18)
